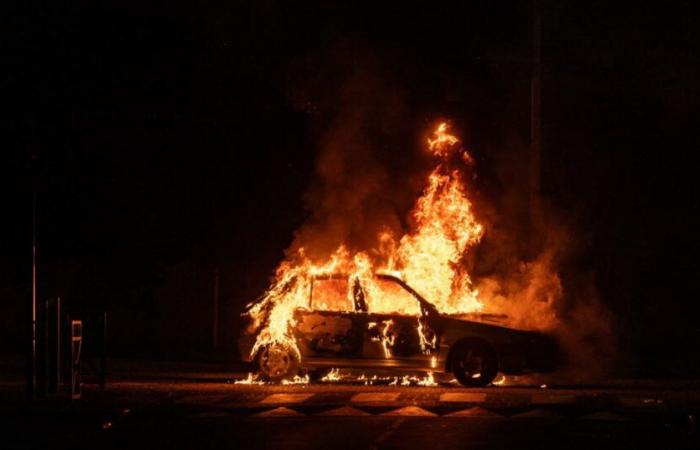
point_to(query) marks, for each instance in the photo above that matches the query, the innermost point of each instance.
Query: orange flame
(442, 141)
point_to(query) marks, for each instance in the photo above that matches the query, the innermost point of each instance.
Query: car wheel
(277, 362)
(474, 363)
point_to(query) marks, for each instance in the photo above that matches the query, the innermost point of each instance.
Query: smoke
(534, 272)
(366, 177)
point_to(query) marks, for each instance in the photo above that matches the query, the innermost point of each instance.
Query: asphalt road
(200, 414)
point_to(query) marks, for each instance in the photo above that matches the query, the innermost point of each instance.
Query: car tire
(474, 363)
(277, 362)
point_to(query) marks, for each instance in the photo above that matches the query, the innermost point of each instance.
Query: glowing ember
(332, 375)
(426, 343)
(251, 379)
(297, 380)
(442, 140)
(500, 381)
(387, 337)
(406, 380)
(429, 380)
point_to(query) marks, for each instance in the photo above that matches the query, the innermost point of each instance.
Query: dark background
(168, 139)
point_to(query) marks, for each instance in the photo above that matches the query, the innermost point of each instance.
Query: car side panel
(328, 334)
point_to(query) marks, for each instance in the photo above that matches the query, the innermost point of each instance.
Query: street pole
(215, 311)
(536, 119)
(31, 364)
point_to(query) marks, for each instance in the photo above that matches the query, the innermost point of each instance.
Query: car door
(328, 328)
(396, 329)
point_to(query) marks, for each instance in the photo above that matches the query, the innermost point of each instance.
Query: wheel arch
(294, 356)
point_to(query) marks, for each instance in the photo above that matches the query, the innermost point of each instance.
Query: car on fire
(337, 330)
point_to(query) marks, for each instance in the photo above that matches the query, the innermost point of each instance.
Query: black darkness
(167, 140)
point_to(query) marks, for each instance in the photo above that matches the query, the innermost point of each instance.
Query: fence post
(76, 343)
(103, 356)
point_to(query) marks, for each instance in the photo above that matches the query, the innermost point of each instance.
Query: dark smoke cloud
(368, 168)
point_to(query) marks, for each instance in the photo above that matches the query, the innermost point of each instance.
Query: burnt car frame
(468, 347)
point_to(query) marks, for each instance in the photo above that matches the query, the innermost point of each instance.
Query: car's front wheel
(474, 363)
(278, 362)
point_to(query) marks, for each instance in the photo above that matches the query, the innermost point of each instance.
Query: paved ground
(189, 409)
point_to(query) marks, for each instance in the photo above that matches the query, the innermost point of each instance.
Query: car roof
(381, 276)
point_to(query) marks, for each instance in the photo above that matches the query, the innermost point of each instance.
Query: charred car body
(336, 330)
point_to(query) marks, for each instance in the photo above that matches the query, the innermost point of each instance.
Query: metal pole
(215, 311)
(43, 374)
(536, 118)
(31, 366)
(103, 357)
(57, 380)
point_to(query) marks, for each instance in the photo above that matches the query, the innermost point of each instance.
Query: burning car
(336, 326)
(407, 301)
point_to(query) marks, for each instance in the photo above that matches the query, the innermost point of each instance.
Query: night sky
(168, 139)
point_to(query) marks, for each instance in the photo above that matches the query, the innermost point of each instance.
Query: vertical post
(76, 343)
(536, 118)
(215, 311)
(31, 363)
(56, 380)
(44, 372)
(68, 347)
(103, 356)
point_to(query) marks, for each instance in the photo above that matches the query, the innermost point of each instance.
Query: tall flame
(441, 140)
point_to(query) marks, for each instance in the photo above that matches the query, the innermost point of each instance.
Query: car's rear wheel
(474, 363)
(278, 362)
